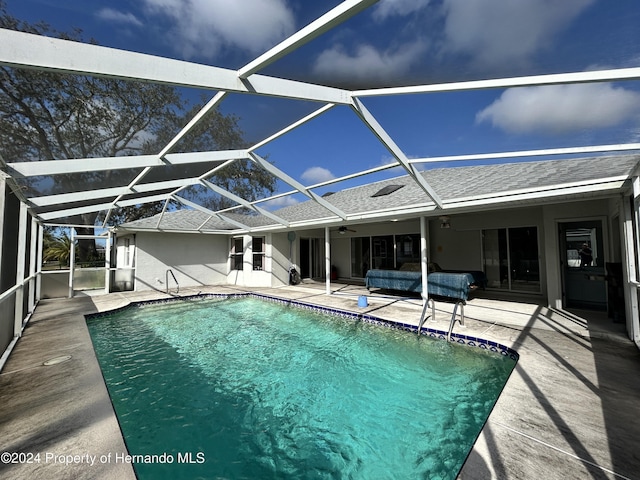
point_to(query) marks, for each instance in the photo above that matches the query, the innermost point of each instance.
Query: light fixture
(444, 222)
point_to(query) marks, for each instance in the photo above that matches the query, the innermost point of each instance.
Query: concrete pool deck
(570, 410)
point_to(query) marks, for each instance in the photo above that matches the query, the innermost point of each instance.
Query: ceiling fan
(342, 230)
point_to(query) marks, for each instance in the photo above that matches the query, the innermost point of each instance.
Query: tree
(57, 248)
(50, 116)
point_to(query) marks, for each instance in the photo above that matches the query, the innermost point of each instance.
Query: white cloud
(561, 108)
(389, 8)
(396, 170)
(281, 202)
(367, 63)
(203, 27)
(497, 31)
(111, 15)
(317, 175)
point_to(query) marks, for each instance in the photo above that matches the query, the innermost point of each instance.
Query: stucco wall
(280, 259)
(194, 259)
(341, 255)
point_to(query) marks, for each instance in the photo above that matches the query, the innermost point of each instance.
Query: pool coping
(460, 339)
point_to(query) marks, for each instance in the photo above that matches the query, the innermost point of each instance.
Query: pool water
(255, 389)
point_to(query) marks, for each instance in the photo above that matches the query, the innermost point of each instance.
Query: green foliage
(57, 248)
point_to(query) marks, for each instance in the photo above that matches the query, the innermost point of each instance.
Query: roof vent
(328, 194)
(387, 190)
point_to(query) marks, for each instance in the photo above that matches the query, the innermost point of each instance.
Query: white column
(327, 259)
(631, 262)
(107, 264)
(21, 256)
(72, 260)
(3, 207)
(32, 263)
(424, 256)
(39, 262)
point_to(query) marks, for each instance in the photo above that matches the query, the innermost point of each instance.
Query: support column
(424, 256)
(631, 243)
(327, 259)
(72, 260)
(3, 207)
(39, 263)
(107, 264)
(21, 257)
(32, 264)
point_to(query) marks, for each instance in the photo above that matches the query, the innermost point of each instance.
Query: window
(257, 244)
(237, 252)
(408, 251)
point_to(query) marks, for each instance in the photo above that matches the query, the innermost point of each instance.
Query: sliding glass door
(386, 252)
(511, 260)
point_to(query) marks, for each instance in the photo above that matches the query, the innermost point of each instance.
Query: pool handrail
(166, 280)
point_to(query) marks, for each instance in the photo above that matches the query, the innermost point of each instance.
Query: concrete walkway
(570, 410)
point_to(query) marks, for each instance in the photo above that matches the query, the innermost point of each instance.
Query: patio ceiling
(24, 50)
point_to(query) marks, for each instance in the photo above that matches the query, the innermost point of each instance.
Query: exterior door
(511, 259)
(310, 258)
(583, 265)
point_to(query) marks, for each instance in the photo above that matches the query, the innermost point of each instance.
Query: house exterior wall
(194, 259)
(275, 268)
(280, 251)
(205, 259)
(341, 255)
(460, 247)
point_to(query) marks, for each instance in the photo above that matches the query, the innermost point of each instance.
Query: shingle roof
(452, 184)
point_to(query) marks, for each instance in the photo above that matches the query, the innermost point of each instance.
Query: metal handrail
(424, 316)
(166, 280)
(453, 318)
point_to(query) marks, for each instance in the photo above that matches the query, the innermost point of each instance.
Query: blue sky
(396, 42)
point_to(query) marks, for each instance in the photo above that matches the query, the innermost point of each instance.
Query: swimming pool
(246, 388)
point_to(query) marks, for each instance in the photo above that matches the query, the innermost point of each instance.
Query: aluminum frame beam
(612, 75)
(172, 143)
(25, 50)
(196, 206)
(61, 167)
(399, 155)
(243, 202)
(62, 198)
(326, 22)
(297, 185)
(529, 153)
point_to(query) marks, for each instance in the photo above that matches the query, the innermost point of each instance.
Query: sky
(395, 42)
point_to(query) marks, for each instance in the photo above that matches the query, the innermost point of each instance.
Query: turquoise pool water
(244, 388)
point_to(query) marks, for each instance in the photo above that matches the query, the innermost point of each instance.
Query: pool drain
(57, 360)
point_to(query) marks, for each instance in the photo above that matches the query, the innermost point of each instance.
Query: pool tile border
(460, 339)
